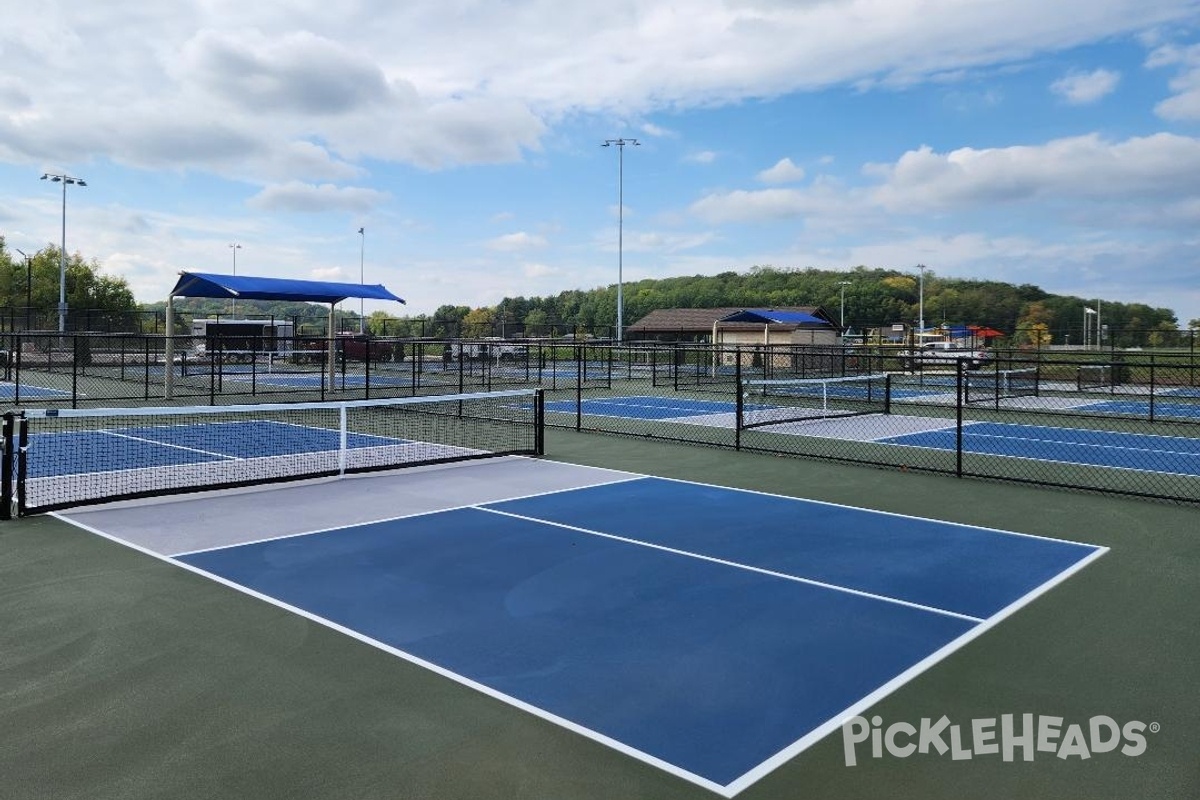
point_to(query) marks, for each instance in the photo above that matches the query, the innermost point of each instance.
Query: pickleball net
(993, 386)
(778, 401)
(70, 457)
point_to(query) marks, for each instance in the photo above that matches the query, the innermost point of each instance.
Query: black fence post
(1152, 387)
(539, 421)
(739, 403)
(18, 347)
(578, 388)
(74, 371)
(958, 420)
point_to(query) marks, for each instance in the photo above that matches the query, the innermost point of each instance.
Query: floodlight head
(78, 181)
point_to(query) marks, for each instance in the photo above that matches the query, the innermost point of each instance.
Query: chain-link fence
(1127, 423)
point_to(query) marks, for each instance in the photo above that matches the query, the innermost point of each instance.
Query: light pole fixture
(65, 180)
(620, 143)
(362, 279)
(233, 302)
(842, 318)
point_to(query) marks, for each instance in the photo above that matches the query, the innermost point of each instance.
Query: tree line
(869, 297)
(872, 297)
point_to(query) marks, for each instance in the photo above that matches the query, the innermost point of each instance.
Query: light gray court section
(866, 428)
(185, 523)
(861, 428)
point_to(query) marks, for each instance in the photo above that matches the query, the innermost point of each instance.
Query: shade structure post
(169, 351)
(332, 362)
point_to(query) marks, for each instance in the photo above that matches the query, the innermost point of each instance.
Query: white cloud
(1082, 168)
(533, 270)
(293, 71)
(516, 242)
(1184, 103)
(328, 274)
(1081, 88)
(746, 206)
(228, 86)
(298, 196)
(784, 171)
(701, 157)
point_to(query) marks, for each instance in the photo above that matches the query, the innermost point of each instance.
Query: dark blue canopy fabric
(245, 287)
(769, 316)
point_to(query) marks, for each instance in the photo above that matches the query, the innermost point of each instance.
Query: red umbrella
(984, 332)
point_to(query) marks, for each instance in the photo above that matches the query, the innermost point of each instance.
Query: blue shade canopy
(246, 287)
(769, 316)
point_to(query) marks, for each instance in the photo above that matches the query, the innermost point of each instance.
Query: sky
(1031, 142)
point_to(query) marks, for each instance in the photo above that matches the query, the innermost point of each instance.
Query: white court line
(413, 515)
(725, 563)
(168, 445)
(482, 688)
(863, 510)
(1084, 444)
(833, 723)
(763, 768)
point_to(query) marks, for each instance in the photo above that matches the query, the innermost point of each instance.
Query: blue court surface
(655, 407)
(643, 407)
(1141, 408)
(711, 632)
(8, 391)
(1168, 454)
(134, 446)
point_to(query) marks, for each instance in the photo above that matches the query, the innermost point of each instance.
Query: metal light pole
(362, 279)
(28, 284)
(620, 143)
(842, 318)
(921, 301)
(233, 302)
(62, 270)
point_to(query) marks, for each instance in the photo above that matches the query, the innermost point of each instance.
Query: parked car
(944, 353)
(493, 348)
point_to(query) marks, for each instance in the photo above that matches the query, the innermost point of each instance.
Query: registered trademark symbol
(1155, 727)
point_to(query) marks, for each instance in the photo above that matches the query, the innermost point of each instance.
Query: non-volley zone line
(1147, 452)
(711, 632)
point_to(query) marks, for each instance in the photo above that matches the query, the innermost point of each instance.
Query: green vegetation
(874, 297)
(1026, 314)
(35, 285)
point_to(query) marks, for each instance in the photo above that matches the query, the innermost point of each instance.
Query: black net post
(6, 467)
(22, 461)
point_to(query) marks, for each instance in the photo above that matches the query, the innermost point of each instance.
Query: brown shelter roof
(700, 320)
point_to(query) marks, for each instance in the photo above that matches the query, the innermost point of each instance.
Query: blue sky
(1056, 144)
